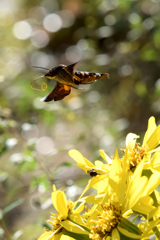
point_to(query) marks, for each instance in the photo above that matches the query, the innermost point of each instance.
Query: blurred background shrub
(121, 37)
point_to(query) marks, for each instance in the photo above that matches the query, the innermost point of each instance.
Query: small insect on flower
(67, 77)
(92, 173)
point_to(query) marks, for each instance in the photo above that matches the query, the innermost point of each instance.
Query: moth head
(54, 71)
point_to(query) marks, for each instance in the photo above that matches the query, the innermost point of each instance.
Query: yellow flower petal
(65, 237)
(154, 139)
(153, 183)
(115, 234)
(84, 167)
(115, 167)
(144, 205)
(151, 127)
(101, 186)
(107, 238)
(80, 207)
(135, 191)
(92, 182)
(131, 140)
(155, 161)
(138, 172)
(49, 236)
(94, 199)
(76, 218)
(105, 157)
(78, 157)
(146, 229)
(60, 203)
(54, 188)
(98, 164)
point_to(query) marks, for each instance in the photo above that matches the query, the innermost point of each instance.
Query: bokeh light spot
(40, 39)
(125, 70)
(22, 30)
(82, 44)
(106, 141)
(29, 131)
(39, 59)
(148, 23)
(134, 18)
(93, 96)
(104, 31)
(67, 17)
(11, 142)
(102, 59)
(110, 20)
(134, 34)
(44, 145)
(16, 158)
(52, 22)
(75, 103)
(1, 78)
(73, 54)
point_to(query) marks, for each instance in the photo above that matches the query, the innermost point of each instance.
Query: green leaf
(124, 237)
(12, 206)
(147, 173)
(75, 235)
(131, 227)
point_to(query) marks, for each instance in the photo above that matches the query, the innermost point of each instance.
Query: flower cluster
(126, 204)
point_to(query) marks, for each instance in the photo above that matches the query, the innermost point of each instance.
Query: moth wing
(59, 92)
(71, 68)
(65, 76)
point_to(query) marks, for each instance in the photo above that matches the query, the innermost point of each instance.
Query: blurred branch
(6, 232)
(46, 170)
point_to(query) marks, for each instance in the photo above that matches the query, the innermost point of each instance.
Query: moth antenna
(43, 86)
(41, 68)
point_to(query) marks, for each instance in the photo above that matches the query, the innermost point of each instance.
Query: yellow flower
(136, 152)
(86, 165)
(67, 218)
(108, 216)
(124, 187)
(100, 171)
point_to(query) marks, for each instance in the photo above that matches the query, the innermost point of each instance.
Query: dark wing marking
(66, 74)
(71, 68)
(59, 92)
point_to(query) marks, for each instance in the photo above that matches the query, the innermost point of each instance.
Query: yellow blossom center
(69, 206)
(136, 155)
(57, 221)
(108, 219)
(58, 218)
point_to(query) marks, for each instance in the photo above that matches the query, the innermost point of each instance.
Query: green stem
(46, 171)
(156, 231)
(135, 218)
(6, 232)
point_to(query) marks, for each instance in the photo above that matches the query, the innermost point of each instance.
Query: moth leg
(78, 88)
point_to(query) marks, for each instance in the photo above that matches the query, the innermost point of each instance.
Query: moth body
(67, 77)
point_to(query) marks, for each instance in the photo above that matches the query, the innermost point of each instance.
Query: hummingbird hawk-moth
(67, 77)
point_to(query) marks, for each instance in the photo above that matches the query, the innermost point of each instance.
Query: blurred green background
(120, 37)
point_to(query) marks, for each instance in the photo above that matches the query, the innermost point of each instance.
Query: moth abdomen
(88, 77)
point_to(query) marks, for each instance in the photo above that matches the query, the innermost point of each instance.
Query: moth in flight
(67, 77)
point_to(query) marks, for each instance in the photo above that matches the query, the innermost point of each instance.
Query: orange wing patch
(59, 92)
